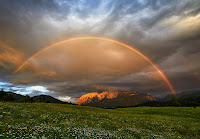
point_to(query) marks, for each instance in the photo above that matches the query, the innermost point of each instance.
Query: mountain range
(109, 99)
(114, 99)
(184, 99)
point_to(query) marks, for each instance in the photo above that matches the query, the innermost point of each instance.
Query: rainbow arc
(105, 39)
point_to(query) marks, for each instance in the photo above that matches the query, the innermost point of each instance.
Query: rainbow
(105, 39)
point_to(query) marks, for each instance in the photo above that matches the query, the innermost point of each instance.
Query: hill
(13, 97)
(9, 96)
(46, 99)
(108, 99)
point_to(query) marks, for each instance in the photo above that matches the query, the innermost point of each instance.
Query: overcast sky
(167, 31)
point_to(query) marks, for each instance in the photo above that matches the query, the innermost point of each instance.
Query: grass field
(43, 120)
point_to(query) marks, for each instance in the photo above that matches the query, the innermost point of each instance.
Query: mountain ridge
(110, 99)
(114, 99)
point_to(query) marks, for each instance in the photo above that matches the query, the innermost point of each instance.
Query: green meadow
(45, 120)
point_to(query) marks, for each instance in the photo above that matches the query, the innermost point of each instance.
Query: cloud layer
(167, 31)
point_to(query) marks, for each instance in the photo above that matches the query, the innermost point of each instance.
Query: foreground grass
(40, 120)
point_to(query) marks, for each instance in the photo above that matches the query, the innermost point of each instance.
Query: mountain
(184, 99)
(184, 95)
(187, 94)
(190, 98)
(109, 99)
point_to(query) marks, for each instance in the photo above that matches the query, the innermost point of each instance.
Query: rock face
(114, 99)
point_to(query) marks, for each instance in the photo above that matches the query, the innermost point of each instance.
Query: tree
(26, 99)
(175, 101)
(4, 96)
(8, 97)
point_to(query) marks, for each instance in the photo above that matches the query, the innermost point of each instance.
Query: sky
(166, 31)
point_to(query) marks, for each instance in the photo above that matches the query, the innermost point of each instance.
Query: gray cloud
(167, 31)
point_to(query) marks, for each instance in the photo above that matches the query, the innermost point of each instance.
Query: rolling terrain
(50, 120)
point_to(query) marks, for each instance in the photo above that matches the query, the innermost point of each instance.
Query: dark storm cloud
(134, 82)
(167, 31)
(22, 22)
